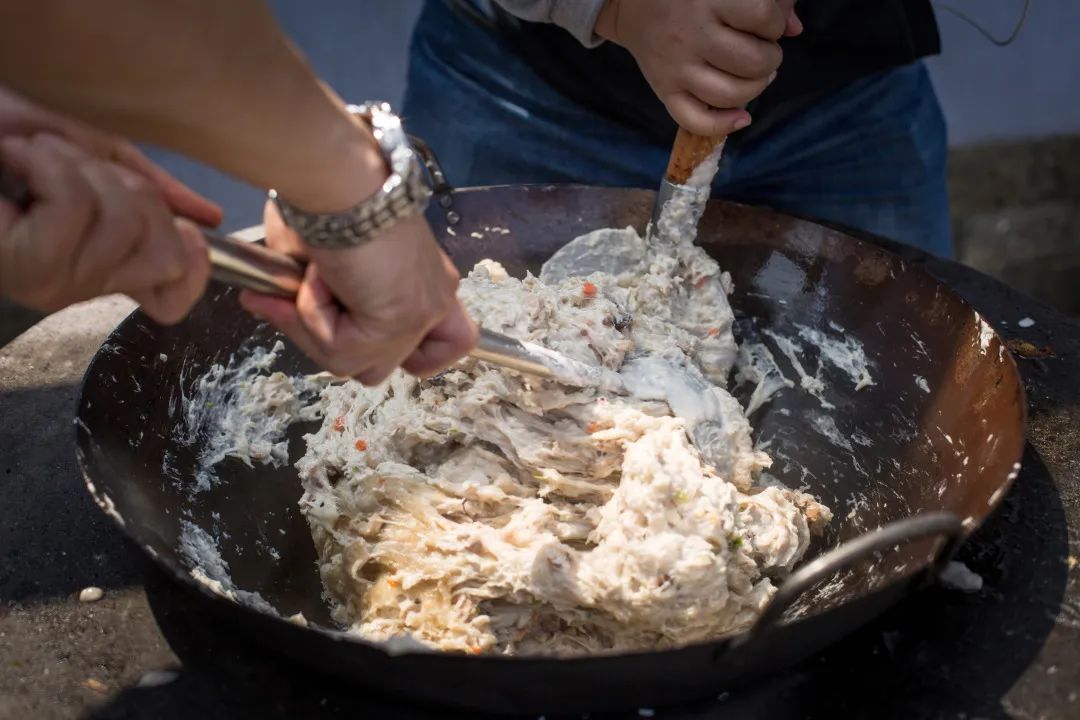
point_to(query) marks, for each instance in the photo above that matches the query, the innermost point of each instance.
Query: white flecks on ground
(91, 594)
(157, 678)
(920, 381)
(958, 576)
(1026, 322)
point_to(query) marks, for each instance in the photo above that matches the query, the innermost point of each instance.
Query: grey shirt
(577, 17)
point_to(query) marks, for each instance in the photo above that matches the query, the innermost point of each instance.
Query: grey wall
(1029, 89)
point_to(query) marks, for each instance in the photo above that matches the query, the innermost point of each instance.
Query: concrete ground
(1016, 215)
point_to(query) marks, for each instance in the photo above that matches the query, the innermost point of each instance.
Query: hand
(101, 222)
(363, 312)
(703, 58)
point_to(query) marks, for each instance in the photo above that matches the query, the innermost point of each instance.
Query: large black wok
(945, 424)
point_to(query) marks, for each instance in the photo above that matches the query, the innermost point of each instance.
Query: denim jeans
(870, 156)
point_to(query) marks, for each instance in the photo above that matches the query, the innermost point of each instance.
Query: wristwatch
(404, 194)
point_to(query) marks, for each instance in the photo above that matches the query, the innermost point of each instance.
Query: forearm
(215, 80)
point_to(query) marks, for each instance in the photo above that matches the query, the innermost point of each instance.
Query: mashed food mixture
(487, 511)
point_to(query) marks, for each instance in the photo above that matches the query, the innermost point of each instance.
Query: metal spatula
(606, 253)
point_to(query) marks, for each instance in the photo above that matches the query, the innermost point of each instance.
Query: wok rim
(730, 641)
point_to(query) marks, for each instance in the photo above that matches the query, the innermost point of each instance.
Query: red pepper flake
(588, 289)
(339, 423)
(361, 445)
(700, 281)
(712, 332)
(592, 427)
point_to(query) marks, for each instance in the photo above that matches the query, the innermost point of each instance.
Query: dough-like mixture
(486, 511)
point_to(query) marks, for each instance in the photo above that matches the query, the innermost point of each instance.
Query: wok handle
(687, 153)
(933, 524)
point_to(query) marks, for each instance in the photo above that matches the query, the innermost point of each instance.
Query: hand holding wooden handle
(687, 153)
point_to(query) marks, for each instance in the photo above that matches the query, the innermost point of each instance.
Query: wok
(918, 461)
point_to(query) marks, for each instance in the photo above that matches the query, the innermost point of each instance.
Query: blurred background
(1013, 114)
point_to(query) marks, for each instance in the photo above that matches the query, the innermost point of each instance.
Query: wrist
(351, 170)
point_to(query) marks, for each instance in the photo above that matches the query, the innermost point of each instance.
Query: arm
(219, 81)
(214, 80)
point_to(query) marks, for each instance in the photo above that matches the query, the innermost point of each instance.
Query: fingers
(702, 119)
(280, 236)
(794, 26)
(174, 300)
(764, 18)
(97, 228)
(719, 89)
(22, 117)
(456, 335)
(740, 54)
(366, 311)
(181, 199)
(318, 310)
(39, 246)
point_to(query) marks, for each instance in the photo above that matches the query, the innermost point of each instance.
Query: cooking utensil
(932, 459)
(607, 253)
(256, 267)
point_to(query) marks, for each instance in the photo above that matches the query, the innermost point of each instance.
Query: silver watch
(404, 194)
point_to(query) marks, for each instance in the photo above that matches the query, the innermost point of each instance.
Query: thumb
(794, 24)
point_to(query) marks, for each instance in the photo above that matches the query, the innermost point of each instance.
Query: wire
(983, 31)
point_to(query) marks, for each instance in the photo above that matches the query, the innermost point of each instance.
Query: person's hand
(20, 117)
(363, 312)
(94, 228)
(101, 220)
(705, 59)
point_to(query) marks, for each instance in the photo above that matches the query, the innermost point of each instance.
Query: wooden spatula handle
(687, 153)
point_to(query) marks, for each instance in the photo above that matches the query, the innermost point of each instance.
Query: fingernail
(741, 122)
(772, 77)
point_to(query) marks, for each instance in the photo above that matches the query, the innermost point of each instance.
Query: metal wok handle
(902, 531)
